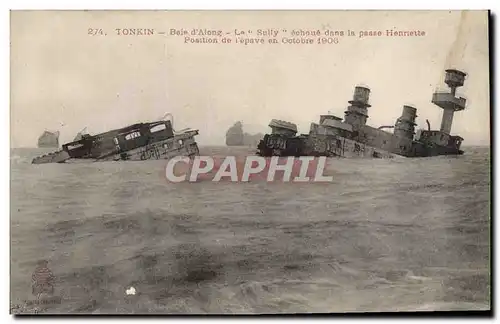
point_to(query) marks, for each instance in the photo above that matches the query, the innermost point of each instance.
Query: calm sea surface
(385, 235)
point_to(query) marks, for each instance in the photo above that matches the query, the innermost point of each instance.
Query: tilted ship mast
(450, 104)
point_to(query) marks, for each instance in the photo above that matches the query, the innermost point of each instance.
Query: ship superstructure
(350, 137)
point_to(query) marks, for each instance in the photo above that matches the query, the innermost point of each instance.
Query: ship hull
(165, 149)
(337, 146)
(181, 145)
(318, 145)
(334, 145)
(138, 142)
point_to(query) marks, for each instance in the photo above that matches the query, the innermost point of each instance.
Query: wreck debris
(352, 137)
(142, 141)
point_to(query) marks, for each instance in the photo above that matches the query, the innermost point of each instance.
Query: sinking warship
(48, 140)
(141, 141)
(353, 138)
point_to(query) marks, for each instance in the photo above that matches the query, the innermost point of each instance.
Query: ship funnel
(361, 96)
(409, 114)
(357, 113)
(405, 125)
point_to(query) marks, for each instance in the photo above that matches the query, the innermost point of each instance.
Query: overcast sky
(63, 79)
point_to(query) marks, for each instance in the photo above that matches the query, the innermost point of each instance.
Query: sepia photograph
(257, 162)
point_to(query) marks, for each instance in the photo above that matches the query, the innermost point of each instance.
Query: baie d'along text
(196, 32)
(197, 35)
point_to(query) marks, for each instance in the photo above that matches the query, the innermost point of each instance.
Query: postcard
(249, 162)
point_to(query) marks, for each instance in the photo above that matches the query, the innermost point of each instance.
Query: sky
(64, 79)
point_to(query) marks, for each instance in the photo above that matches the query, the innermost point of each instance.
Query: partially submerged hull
(318, 145)
(138, 142)
(352, 137)
(179, 145)
(328, 142)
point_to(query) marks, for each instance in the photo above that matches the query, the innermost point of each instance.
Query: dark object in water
(142, 141)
